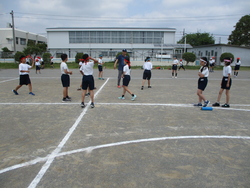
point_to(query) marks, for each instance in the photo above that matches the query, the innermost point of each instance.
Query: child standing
(225, 83)
(65, 77)
(174, 67)
(147, 66)
(237, 67)
(126, 80)
(87, 80)
(181, 65)
(202, 82)
(24, 75)
(38, 66)
(100, 68)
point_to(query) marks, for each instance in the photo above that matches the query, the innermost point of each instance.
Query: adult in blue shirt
(120, 61)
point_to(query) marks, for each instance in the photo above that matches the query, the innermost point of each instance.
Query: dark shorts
(202, 83)
(174, 67)
(146, 75)
(65, 80)
(24, 79)
(88, 82)
(224, 83)
(100, 68)
(237, 67)
(126, 80)
(37, 67)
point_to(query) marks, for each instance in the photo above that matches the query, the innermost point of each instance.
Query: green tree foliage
(18, 55)
(226, 54)
(189, 57)
(77, 57)
(35, 49)
(46, 57)
(241, 33)
(197, 39)
(5, 49)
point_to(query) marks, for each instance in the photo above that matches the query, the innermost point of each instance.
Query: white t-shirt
(63, 66)
(227, 70)
(147, 66)
(175, 62)
(38, 63)
(87, 68)
(99, 62)
(126, 70)
(205, 71)
(24, 67)
(237, 63)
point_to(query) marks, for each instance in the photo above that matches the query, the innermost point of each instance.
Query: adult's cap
(124, 50)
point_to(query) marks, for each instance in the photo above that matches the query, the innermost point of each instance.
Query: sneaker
(69, 98)
(199, 104)
(206, 103)
(92, 105)
(102, 78)
(121, 98)
(133, 98)
(31, 93)
(149, 87)
(65, 100)
(87, 94)
(225, 105)
(216, 104)
(14, 91)
(82, 105)
(118, 86)
(142, 87)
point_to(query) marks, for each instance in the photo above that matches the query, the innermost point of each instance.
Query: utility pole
(13, 31)
(185, 40)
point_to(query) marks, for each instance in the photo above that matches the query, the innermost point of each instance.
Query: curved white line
(91, 148)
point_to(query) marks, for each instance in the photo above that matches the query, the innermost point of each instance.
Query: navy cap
(124, 50)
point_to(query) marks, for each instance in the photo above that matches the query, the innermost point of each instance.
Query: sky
(217, 17)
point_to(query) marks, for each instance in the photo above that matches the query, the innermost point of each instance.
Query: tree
(5, 49)
(77, 57)
(197, 39)
(18, 55)
(35, 49)
(46, 57)
(241, 33)
(189, 57)
(226, 54)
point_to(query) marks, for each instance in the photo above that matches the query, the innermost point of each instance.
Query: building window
(212, 52)
(127, 37)
(16, 40)
(22, 41)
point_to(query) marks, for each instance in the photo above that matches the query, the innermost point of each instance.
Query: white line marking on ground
(91, 148)
(52, 156)
(8, 80)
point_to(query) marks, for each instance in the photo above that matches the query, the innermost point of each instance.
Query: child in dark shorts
(24, 75)
(225, 83)
(126, 80)
(202, 82)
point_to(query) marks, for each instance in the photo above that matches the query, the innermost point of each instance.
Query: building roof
(227, 45)
(110, 29)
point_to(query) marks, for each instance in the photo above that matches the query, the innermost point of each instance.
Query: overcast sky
(217, 17)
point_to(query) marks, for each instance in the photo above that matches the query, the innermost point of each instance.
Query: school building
(215, 50)
(21, 39)
(158, 43)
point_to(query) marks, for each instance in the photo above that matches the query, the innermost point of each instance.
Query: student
(38, 66)
(65, 77)
(88, 80)
(79, 65)
(212, 64)
(174, 67)
(181, 65)
(126, 80)
(120, 61)
(237, 67)
(24, 75)
(52, 61)
(202, 82)
(100, 68)
(147, 66)
(225, 83)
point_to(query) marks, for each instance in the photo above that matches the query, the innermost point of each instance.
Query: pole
(13, 31)
(185, 38)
